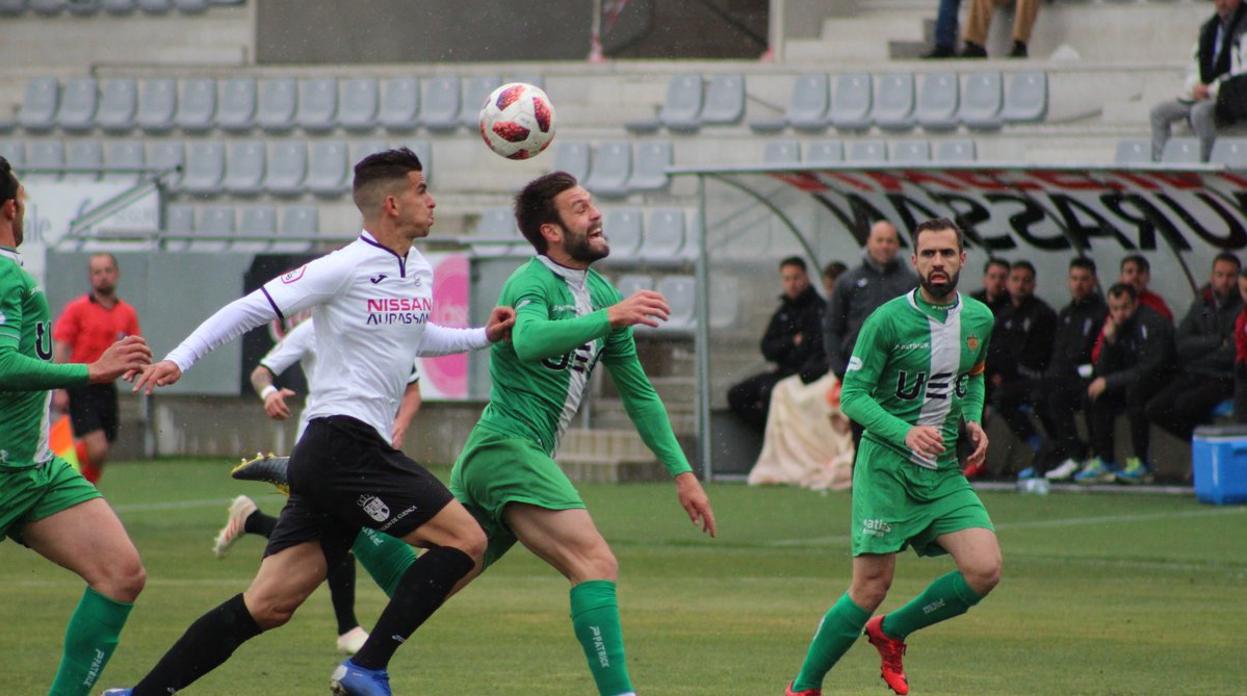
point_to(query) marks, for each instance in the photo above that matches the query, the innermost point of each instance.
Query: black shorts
(343, 476)
(93, 407)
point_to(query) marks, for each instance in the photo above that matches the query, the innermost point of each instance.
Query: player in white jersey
(371, 302)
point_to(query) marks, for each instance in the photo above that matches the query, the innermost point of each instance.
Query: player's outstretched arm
(501, 322)
(695, 502)
(123, 357)
(160, 374)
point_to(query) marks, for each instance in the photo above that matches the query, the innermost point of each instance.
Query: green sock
(946, 597)
(840, 628)
(595, 619)
(90, 639)
(386, 558)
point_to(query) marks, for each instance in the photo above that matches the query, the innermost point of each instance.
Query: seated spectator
(1135, 270)
(1216, 57)
(1204, 343)
(1069, 372)
(945, 30)
(1240, 353)
(1135, 362)
(793, 339)
(981, 18)
(995, 292)
(1018, 354)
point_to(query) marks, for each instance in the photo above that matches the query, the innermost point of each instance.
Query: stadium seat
(12, 8)
(781, 152)
(47, 7)
(623, 228)
(358, 110)
(179, 219)
(39, 104)
(1181, 151)
(83, 8)
(1133, 151)
(84, 154)
(256, 220)
(326, 170)
(196, 105)
(45, 154)
(681, 111)
(725, 100)
(244, 168)
(14, 151)
(118, 101)
(276, 102)
(118, 7)
(807, 109)
(205, 167)
(166, 155)
(867, 151)
(155, 6)
(237, 109)
(1232, 152)
(650, 173)
(955, 151)
(498, 223)
(984, 98)
(214, 221)
(937, 101)
(894, 102)
(400, 103)
(423, 150)
(191, 6)
(664, 237)
(318, 104)
(360, 149)
(910, 151)
(610, 168)
(287, 167)
(850, 107)
(124, 154)
(475, 91)
(1026, 99)
(440, 104)
(632, 283)
(572, 157)
(300, 222)
(157, 105)
(680, 291)
(724, 301)
(78, 103)
(824, 152)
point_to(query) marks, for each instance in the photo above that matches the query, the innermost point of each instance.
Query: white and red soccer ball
(517, 121)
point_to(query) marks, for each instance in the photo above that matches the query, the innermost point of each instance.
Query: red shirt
(1240, 337)
(89, 328)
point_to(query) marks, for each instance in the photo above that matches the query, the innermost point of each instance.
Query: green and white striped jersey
(918, 364)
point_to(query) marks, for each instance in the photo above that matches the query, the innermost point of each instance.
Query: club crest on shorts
(376, 509)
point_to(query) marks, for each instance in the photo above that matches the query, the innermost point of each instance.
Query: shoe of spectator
(973, 50)
(1134, 472)
(938, 52)
(1019, 50)
(1028, 473)
(1064, 472)
(1096, 471)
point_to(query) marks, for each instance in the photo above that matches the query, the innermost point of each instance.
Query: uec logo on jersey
(376, 509)
(937, 385)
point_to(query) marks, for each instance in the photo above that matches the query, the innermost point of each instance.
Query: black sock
(341, 580)
(206, 645)
(420, 592)
(259, 523)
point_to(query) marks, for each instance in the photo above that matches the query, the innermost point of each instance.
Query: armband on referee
(270, 389)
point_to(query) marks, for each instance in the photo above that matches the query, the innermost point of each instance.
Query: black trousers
(1133, 402)
(1240, 393)
(1014, 401)
(1187, 402)
(750, 399)
(1061, 398)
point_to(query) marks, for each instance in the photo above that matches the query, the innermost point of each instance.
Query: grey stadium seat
(79, 99)
(807, 110)
(39, 104)
(14, 151)
(983, 101)
(623, 227)
(244, 167)
(824, 152)
(1181, 151)
(682, 109)
(867, 151)
(938, 101)
(155, 6)
(439, 110)
(257, 220)
(326, 171)
(179, 219)
(168, 154)
(358, 110)
(572, 157)
(158, 103)
(287, 167)
(664, 238)
(297, 221)
(498, 223)
(894, 102)
(1026, 99)
(205, 167)
(850, 109)
(124, 154)
(118, 7)
(1133, 151)
(955, 151)
(276, 102)
(216, 221)
(610, 168)
(652, 159)
(318, 104)
(724, 301)
(191, 6)
(118, 101)
(1232, 152)
(45, 154)
(197, 105)
(9, 8)
(362, 148)
(632, 283)
(680, 291)
(86, 154)
(911, 151)
(83, 7)
(781, 152)
(400, 103)
(236, 112)
(475, 93)
(47, 7)
(725, 100)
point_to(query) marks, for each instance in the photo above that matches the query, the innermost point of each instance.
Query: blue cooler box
(1219, 464)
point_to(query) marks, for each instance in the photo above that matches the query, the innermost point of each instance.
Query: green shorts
(27, 495)
(897, 503)
(496, 469)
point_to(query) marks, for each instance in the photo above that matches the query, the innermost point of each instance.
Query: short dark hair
(8, 181)
(939, 225)
(1082, 262)
(1025, 265)
(534, 206)
(1137, 259)
(833, 270)
(1119, 289)
(793, 261)
(384, 166)
(995, 261)
(1228, 258)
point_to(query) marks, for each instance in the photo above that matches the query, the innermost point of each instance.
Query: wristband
(270, 389)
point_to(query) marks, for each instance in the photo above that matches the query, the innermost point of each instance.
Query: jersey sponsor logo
(937, 385)
(920, 345)
(907, 391)
(399, 310)
(855, 363)
(294, 275)
(579, 360)
(876, 528)
(43, 340)
(374, 507)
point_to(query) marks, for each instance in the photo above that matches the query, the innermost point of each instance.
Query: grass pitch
(1101, 595)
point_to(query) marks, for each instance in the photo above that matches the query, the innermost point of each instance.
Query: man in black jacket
(793, 341)
(995, 290)
(1134, 363)
(1069, 372)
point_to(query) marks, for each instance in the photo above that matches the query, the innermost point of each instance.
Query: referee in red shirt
(88, 326)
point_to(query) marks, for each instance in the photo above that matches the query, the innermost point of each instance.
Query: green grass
(1101, 595)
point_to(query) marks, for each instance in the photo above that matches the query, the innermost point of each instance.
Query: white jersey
(370, 309)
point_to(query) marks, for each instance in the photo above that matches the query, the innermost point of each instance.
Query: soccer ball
(517, 121)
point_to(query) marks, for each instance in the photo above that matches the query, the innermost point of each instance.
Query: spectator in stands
(1240, 353)
(1134, 363)
(793, 339)
(879, 278)
(1136, 271)
(1217, 56)
(980, 18)
(945, 30)
(832, 273)
(1069, 372)
(1018, 354)
(1205, 349)
(995, 292)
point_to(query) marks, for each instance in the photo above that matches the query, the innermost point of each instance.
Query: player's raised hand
(125, 356)
(979, 438)
(925, 440)
(275, 404)
(160, 374)
(695, 502)
(501, 321)
(643, 307)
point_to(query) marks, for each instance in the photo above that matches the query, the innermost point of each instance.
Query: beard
(581, 249)
(941, 288)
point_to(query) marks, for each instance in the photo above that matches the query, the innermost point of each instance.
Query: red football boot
(891, 650)
(807, 692)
